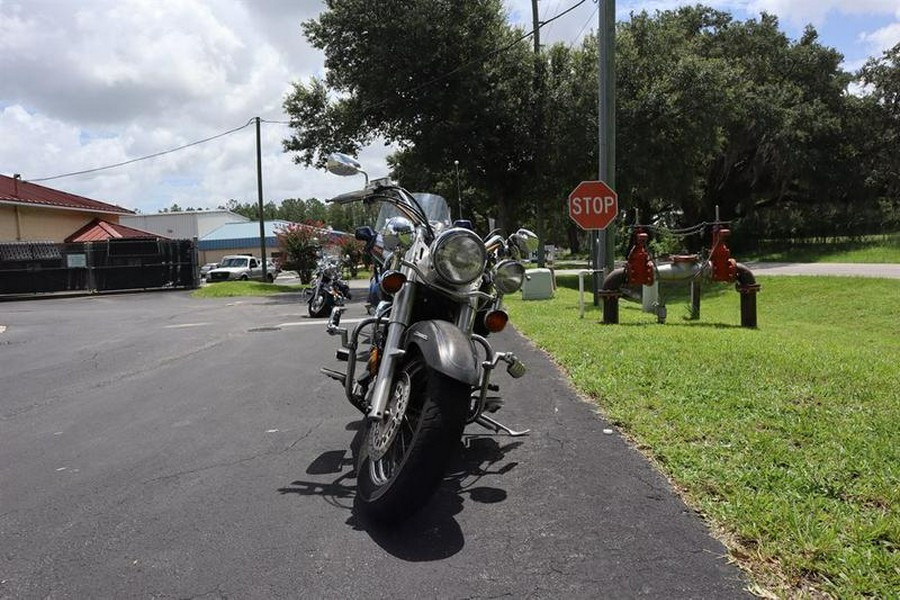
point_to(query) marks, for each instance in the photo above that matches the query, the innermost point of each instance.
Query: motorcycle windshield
(330, 252)
(435, 208)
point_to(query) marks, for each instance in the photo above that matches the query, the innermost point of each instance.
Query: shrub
(352, 251)
(300, 243)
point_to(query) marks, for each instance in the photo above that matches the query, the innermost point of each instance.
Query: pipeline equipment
(641, 270)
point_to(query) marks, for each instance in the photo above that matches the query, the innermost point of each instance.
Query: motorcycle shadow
(433, 533)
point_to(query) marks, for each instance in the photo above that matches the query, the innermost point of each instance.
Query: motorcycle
(327, 289)
(424, 360)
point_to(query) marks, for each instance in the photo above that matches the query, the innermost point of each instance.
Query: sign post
(604, 241)
(593, 205)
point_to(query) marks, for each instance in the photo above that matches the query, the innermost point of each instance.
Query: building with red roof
(99, 230)
(32, 212)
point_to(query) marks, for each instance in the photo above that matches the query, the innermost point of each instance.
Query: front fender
(446, 349)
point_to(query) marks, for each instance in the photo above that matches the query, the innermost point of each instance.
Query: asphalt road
(890, 271)
(159, 446)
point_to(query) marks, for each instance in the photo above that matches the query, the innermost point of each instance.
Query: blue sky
(857, 28)
(100, 82)
(851, 35)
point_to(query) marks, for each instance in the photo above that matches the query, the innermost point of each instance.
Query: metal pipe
(695, 299)
(581, 276)
(748, 288)
(610, 292)
(614, 280)
(745, 275)
(680, 271)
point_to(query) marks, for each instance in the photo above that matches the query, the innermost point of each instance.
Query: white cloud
(882, 39)
(99, 82)
(96, 82)
(800, 12)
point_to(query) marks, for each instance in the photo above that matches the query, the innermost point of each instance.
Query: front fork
(401, 312)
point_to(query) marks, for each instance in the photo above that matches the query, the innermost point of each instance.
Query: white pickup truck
(240, 267)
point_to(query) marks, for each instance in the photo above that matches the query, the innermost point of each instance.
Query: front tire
(320, 304)
(412, 464)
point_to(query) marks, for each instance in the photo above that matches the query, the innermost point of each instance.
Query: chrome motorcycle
(420, 368)
(327, 289)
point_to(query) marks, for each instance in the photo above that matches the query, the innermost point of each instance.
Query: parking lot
(157, 445)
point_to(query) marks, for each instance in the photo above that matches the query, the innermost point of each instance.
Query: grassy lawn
(876, 250)
(787, 438)
(228, 289)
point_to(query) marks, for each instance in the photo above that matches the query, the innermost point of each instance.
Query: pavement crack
(303, 437)
(201, 469)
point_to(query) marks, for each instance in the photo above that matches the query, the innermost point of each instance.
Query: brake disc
(382, 433)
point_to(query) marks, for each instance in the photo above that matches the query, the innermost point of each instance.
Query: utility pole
(538, 128)
(259, 193)
(604, 241)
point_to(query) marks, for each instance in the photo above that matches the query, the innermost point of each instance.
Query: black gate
(119, 264)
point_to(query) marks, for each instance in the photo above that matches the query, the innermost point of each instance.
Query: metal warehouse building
(188, 224)
(239, 238)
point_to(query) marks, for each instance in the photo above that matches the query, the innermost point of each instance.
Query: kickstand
(497, 427)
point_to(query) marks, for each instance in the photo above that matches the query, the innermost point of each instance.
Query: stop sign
(593, 205)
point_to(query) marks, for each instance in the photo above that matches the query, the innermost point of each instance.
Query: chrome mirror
(343, 165)
(525, 241)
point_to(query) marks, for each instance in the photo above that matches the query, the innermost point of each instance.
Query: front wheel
(403, 458)
(320, 304)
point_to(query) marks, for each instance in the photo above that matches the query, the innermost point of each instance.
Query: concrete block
(538, 284)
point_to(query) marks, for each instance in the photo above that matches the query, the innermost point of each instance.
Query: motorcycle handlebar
(348, 197)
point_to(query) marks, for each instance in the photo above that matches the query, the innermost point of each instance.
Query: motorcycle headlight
(458, 256)
(508, 276)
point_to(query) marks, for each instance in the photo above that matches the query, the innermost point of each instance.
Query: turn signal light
(372, 364)
(496, 320)
(392, 281)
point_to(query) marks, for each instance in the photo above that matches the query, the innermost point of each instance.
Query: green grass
(786, 437)
(229, 289)
(877, 249)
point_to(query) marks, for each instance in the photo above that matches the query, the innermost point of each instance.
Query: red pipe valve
(724, 268)
(640, 268)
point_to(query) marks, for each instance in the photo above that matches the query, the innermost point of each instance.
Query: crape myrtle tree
(300, 244)
(442, 80)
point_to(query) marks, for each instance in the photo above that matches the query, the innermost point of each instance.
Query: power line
(461, 67)
(555, 7)
(586, 23)
(154, 155)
